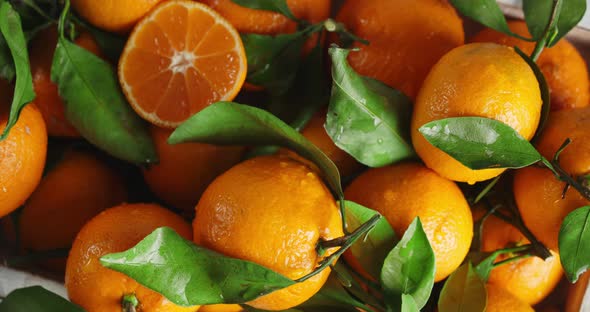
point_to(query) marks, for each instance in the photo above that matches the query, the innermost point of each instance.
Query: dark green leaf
(229, 123)
(11, 30)
(574, 243)
(189, 275)
(486, 12)
(95, 104)
(111, 45)
(332, 297)
(279, 6)
(409, 268)
(463, 291)
(36, 299)
(481, 143)
(372, 250)
(409, 304)
(538, 13)
(366, 118)
(7, 70)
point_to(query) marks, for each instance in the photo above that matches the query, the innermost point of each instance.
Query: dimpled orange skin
(406, 38)
(408, 190)
(98, 289)
(48, 100)
(477, 79)
(185, 170)
(271, 210)
(530, 279)
(114, 15)
(247, 20)
(576, 294)
(77, 189)
(564, 68)
(221, 308)
(22, 153)
(501, 300)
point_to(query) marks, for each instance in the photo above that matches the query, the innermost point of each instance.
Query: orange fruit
(530, 279)
(48, 100)
(113, 15)
(185, 170)
(273, 211)
(221, 308)
(477, 79)
(76, 189)
(98, 289)
(537, 192)
(22, 153)
(406, 38)
(180, 58)
(404, 191)
(315, 132)
(563, 66)
(501, 300)
(578, 296)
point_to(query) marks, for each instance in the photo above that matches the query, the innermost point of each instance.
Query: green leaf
(36, 299)
(366, 118)
(409, 268)
(574, 243)
(409, 304)
(332, 297)
(372, 250)
(14, 37)
(228, 123)
(537, 14)
(95, 104)
(487, 13)
(111, 45)
(189, 275)
(7, 70)
(481, 143)
(279, 6)
(463, 291)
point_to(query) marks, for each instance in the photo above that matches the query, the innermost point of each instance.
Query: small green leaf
(372, 250)
(189, 275)
(279, 6)
(409, 304)
(463, 291)
(95, 104)
(409, 268)
(366, 118)
(14, 37)
(481, 143)
(537, 14)
(487, 13)
(228, 123)
(574, 243)
(36, 299)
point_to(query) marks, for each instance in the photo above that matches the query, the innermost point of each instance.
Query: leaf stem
(511, 259)
(129, 303)
(550, 31)
(562, 175)
(343, 242)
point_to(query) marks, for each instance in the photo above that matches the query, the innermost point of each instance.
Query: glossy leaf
(189, 275)
(95, 104)
(481, 143)
(227, 123)
(463, 291)
(574, 243)
(486, 12)
(409, 268)
(14, 37)
(279, 6)
(409, 304)
(372, 250)
(366, 118)
(538, 13)
(36, 299)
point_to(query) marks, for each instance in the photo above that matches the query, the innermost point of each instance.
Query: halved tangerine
(180, 58)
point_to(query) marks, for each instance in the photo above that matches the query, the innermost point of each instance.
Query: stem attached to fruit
(129, 303)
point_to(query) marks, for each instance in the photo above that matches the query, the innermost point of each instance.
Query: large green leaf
(366, 118)
(229, 123)
(463, 291)
(36, 299)
(574, 243)
(372, 250)
(537, 14)
(189, 275)
(95, 104)
(279, 6)
(481, 143)
(409, 269)
(14, 37)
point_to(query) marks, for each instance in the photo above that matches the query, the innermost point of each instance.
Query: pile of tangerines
(65, 202)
